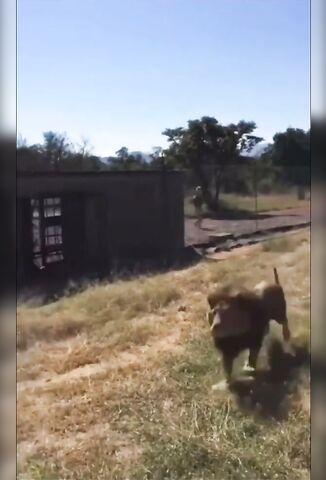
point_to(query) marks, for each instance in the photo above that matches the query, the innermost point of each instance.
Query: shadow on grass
(269, 393)
(47, 287)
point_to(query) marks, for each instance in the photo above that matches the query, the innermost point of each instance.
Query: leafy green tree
(290, 152)
(208, 148)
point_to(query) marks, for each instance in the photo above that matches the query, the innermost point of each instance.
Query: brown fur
(256, 308)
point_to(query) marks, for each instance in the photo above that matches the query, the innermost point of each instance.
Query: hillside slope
(115, 382)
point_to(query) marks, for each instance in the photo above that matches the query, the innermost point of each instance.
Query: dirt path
(276, 218)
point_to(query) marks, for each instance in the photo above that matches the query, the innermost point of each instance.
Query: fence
(247, 198)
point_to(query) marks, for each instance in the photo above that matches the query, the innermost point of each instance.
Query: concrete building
(72, 224)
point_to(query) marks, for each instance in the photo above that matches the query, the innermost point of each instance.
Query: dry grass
(265, 202)
(115, 382)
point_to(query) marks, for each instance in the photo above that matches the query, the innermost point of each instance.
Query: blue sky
(121, 71)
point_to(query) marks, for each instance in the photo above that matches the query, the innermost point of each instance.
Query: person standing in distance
(198, 201)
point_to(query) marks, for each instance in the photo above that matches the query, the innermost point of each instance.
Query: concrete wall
(106, 216)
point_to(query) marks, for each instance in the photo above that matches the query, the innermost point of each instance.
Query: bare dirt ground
(274, 218)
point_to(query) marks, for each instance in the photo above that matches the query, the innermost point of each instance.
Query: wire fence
(244, 199)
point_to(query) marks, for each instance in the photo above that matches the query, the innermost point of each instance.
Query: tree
(122, 153)
(207, 148)
(30, 158)
(157, 158)
(57, 154)
(290, 152)
(124, 161)
(85, 147)
(57, 149)
(82, 159)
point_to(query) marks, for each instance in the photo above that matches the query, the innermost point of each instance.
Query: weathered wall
(74, 231)
(149, 215)
(95, 232)
(115, 215)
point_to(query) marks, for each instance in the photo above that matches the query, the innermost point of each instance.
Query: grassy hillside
(115, 382)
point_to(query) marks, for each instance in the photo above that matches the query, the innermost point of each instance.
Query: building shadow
(270, 392)
(47, 287)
